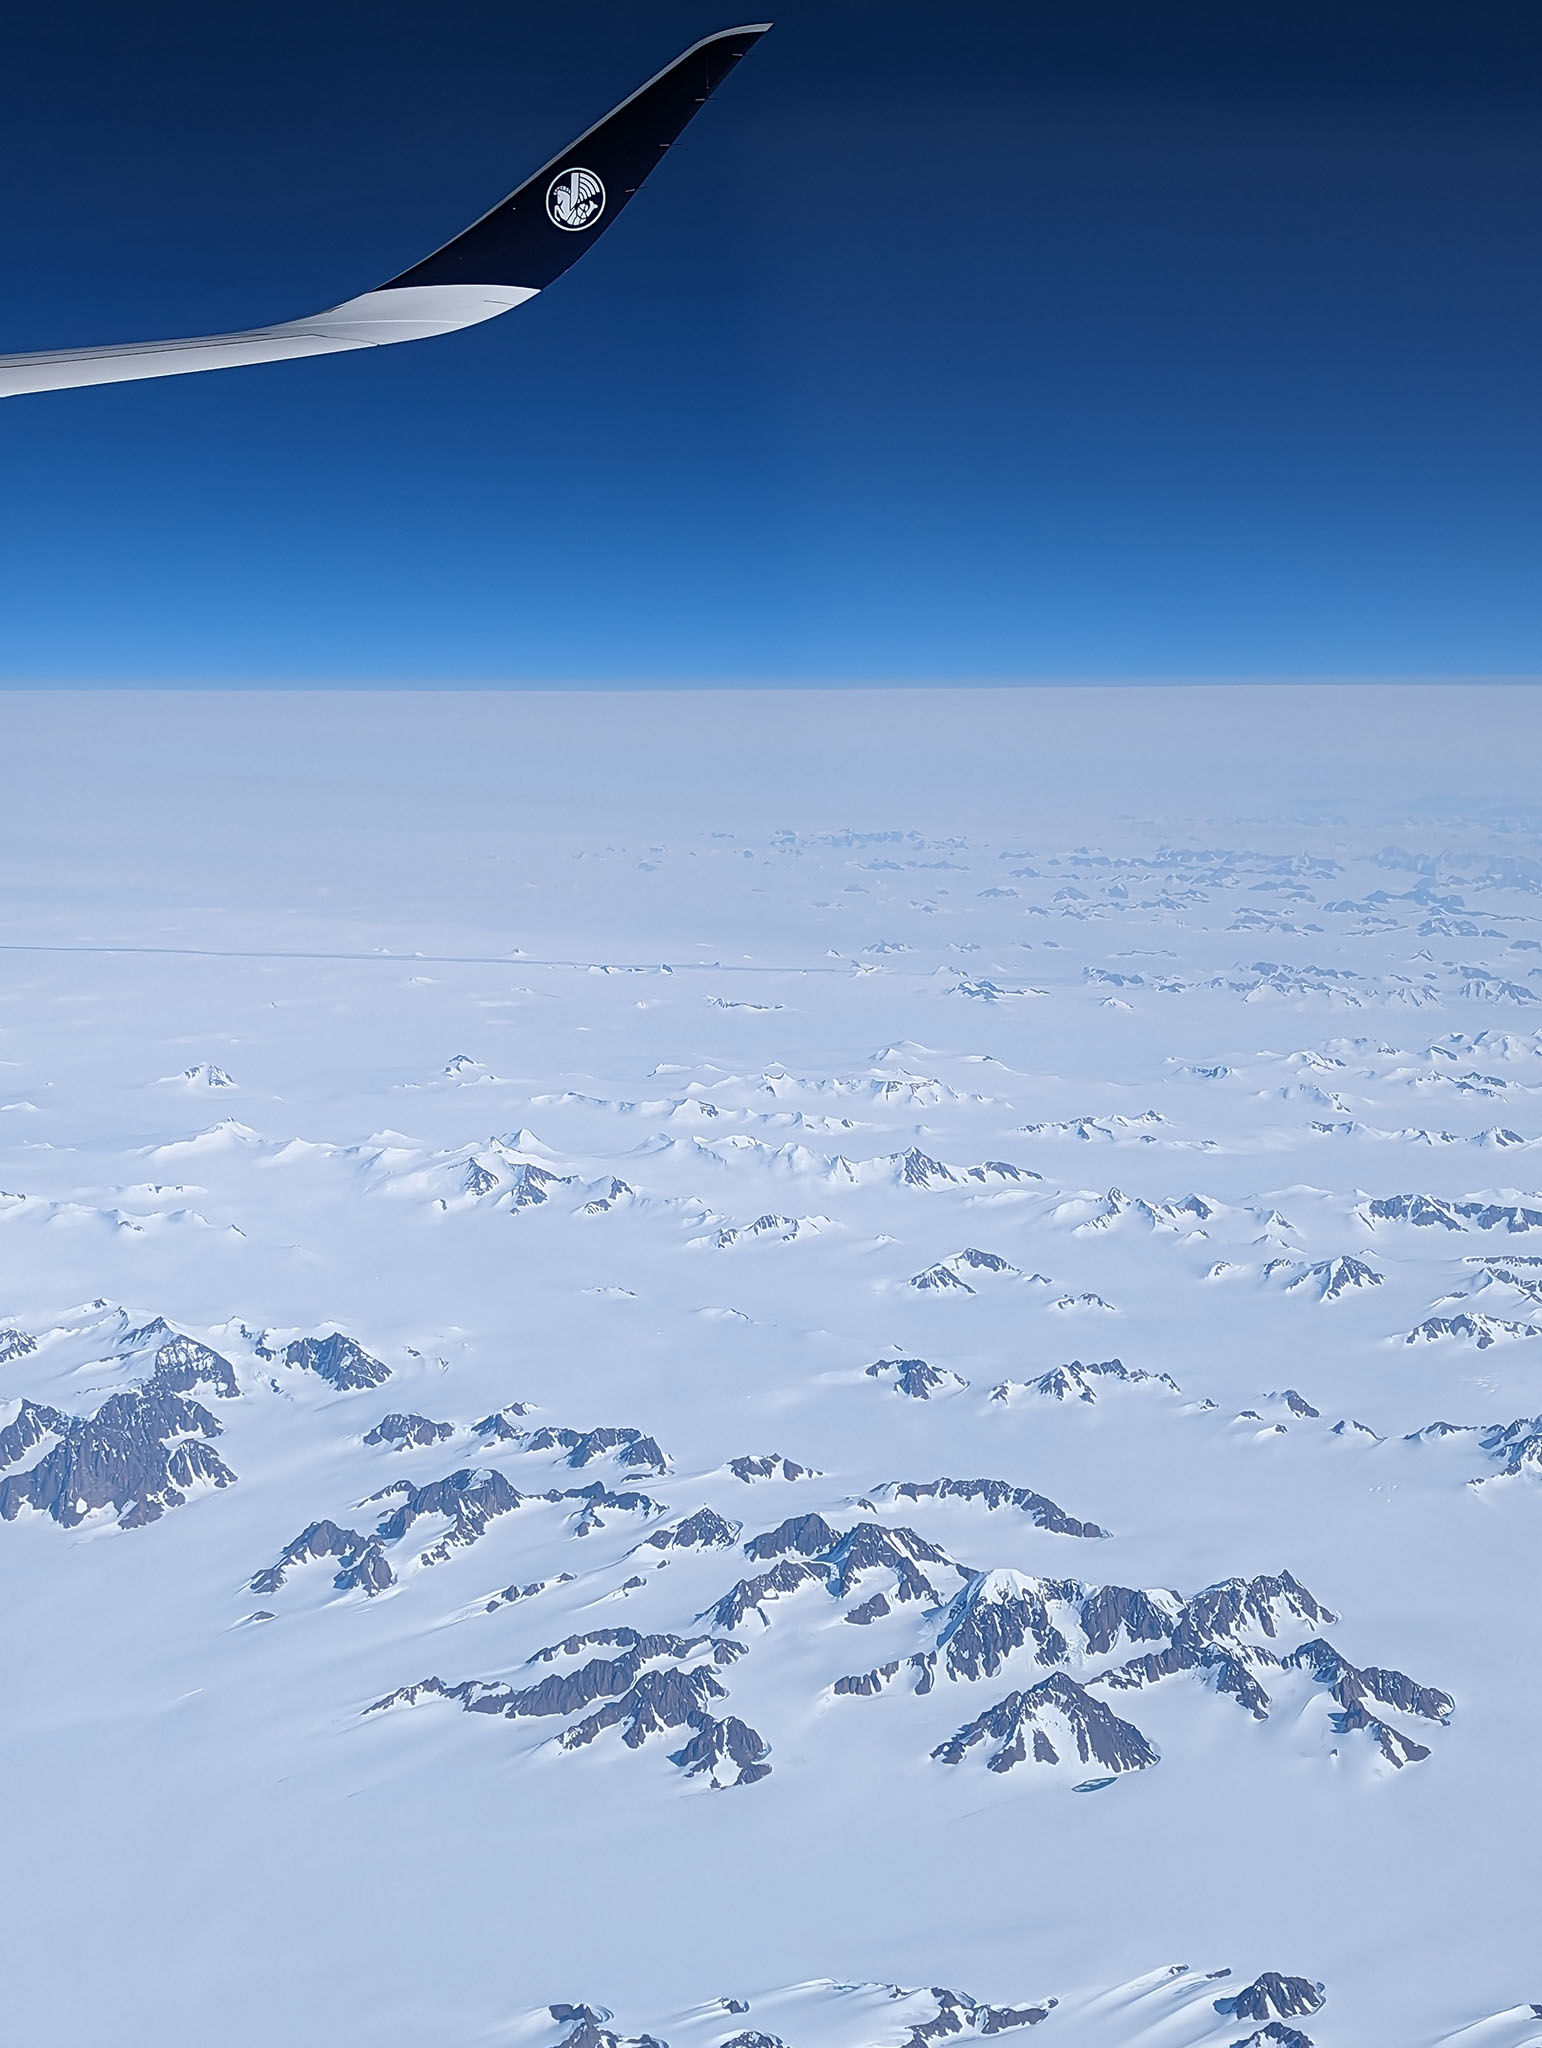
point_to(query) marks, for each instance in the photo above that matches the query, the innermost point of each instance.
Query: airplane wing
(500, 261)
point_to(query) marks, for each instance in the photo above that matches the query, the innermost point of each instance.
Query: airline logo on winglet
(575, 199)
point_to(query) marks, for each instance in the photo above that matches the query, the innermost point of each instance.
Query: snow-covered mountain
(658, 1326)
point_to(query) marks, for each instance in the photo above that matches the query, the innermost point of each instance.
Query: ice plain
(715, 1123)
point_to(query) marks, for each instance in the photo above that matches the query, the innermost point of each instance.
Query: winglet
(500, 261)
(543, 228)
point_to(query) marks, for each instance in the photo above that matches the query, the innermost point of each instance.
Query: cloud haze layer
(360, 775)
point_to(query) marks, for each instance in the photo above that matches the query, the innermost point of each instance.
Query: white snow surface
(609, 1065)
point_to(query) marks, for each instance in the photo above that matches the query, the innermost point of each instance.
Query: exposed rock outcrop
(406, 1432)
(995, 1493)
(802, 1535)
(706, 1529)
(631, 1447)
(338, 1360)
(770, 1465)
(139, 1453)
(1049, 1723)
(914, 1377)
(1272, 1996)
(362, 1563)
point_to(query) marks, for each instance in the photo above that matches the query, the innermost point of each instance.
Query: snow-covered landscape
(782, 1376)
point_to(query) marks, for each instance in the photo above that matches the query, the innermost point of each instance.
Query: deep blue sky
(1089, 338)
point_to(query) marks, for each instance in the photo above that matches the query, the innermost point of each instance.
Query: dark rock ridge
(916, 1170)
(1428, 1211)
(1003, 1611)
(143, 1335)
(1205, 1637)
(871, 1547)
(1233, 1605)
(706, 1529)
(589, 2032)
(608, 1679)
(770, 1466)
(1335, 1276)
(1422, 1210)
(958, 2013)
(1358, 1691)
(936, 1279)
(945, 1274)
(804, 1535)
(512, 1593)
(15, 1344)
(1206, 1634)
(363, 1565)
(1275, 2035)
(1107, 1612)
(996, 1493)
(499, 1427)
(528, 1184)
(596, 1497)
(717, 1749)
(984, 991)
(182, 1363)
(469, 1498)
(1229, 1671)
(1483, 1330)
(1026, 1725)
(405, 1431)
(750, 1595)
(632, 1692)
(913, 1376)
(783, 1227)
(1060, 1621)
(139, 1453)
(836, 1561)
(1000, 1612)
(1298, 1404)
(338, 1360)
(1518, 1443)
(863, 1685)
(1352, 1687)
(955, 2013)
(1273, 1996)
(631, 1447)
(123, 1457)
(589, 2028)
(645, 1647)
(1065, 1381)
(33, 1421)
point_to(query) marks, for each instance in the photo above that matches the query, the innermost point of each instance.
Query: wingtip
(752, 30)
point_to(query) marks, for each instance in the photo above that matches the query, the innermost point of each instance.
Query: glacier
(724, 1368)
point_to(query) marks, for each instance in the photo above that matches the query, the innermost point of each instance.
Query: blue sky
(976, 342)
